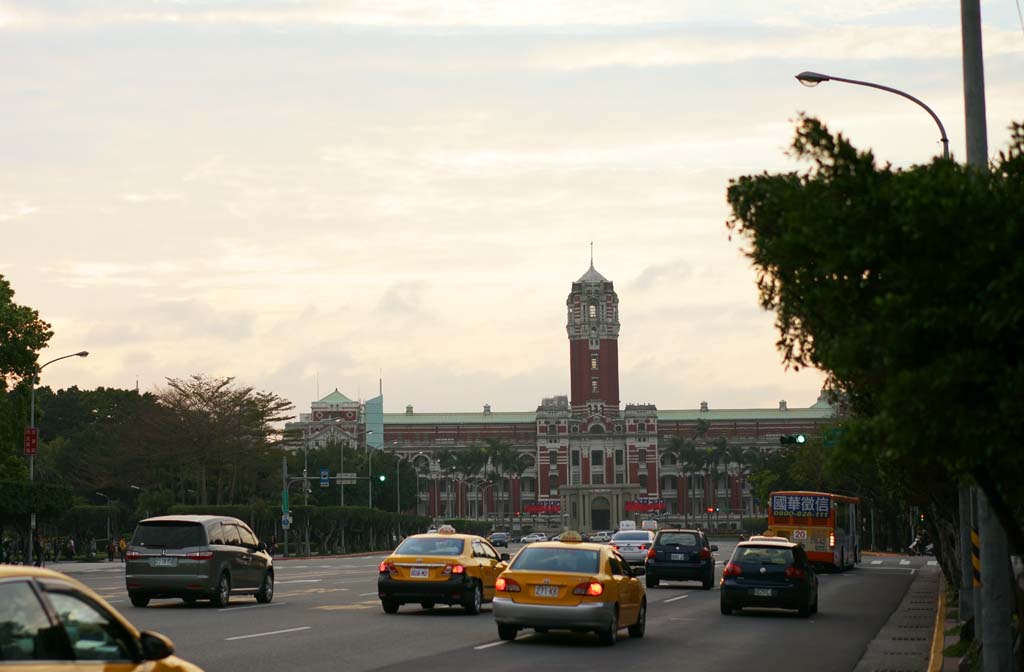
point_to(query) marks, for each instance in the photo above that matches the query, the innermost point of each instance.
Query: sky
(318, 195)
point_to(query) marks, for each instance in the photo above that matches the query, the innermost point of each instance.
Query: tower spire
(591, 254)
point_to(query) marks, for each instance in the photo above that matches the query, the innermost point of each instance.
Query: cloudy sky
(292, 191)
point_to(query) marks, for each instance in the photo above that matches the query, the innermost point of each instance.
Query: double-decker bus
(824, 523)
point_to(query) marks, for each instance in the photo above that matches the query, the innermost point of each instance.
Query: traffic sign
(286, 521)
(325, 477)
(31, 440)
(346, 478)
(284, 501)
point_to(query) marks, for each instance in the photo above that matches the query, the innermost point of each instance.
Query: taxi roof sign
(570, 537)
(446, 529)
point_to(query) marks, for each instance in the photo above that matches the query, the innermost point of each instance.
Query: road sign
(31, 440)
(347, 475)
(325, 478)
(284, 501)
(286, 521)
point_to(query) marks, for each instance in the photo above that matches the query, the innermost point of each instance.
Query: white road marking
(252, 606)
(114, 601)
(281, 583)
(876, 562)
(265, 634)
(369, 595)
(933, 563)
(487, 646)
(904, 562)
(673, 599)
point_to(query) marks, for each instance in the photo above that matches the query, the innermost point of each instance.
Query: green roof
(335, 398)
(480, 418)
(724, 415)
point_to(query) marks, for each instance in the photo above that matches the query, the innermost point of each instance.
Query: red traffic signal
(710, 509)
(31, 440)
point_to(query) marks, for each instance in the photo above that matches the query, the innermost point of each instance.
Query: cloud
(652, 275)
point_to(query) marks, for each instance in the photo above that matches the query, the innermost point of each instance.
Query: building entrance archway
(600, 514)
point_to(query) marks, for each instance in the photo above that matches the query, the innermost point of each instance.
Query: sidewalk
(907, 641)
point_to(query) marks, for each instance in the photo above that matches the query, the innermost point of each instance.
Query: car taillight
(132, 555)
(200, 555)
(386, 566)
(615, 546)
(453, 569)
(732, 569)
(503, 585)
(831, 539)
(643, 547)
(705, 554)
(590, 588)
(650, 553)
(795, 573)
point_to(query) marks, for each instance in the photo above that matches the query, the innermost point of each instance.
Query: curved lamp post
(32, 457)
(812, 79)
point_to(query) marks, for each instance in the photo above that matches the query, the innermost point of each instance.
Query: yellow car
(570, 585)
(50, 621)
(441, 568)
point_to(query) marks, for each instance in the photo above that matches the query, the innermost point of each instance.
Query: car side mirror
(262, 546)
(155, 646)
(505, 557)
(714, 547)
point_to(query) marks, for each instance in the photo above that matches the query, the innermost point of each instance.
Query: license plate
(419, 573)
(762, 592)
(163, 562)
(678, 556)
(545, 591)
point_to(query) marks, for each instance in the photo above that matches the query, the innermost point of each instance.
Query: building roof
(335, 398)
(458, 418)
(592, 275)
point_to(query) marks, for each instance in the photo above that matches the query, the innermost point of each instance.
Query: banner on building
(544, 506)
(645, 505)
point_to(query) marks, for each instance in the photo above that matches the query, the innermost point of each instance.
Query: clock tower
(593, 329)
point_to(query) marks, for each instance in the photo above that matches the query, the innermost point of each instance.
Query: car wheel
(427, 605)
(474, 600)
(651, 581)
(805, 609)
(708, 581)
(814, 607)
(540, 631)
(390, 605)
(138, 600)
(189, 600)
(223, 594)
(507, 632)
(266, 592)
(609, 635)
(637, 630)
(726, 609)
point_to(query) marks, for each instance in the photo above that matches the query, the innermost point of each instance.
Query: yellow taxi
(50, 621)
(440, 568)
(570, 585)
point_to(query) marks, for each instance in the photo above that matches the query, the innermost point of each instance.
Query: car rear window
(430, 546)
(169, 534)
(677, 539)
(632, 536)
(557, 560)
(765, 555)
(499, 535)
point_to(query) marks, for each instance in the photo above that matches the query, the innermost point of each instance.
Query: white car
(532, 537)
(633, 545)
(601, 537)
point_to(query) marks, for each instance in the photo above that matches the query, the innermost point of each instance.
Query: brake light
(651, 553)
(503, 585)
(705, 554)
(615, 546)
(132, 555)
(831, 539)
(386, 566)
(591, 589)
(643, 547)
(795, 573)
(200, 555)
(732, 569)
(453, 569)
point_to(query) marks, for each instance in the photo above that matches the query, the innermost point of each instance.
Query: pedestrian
(110, 550)
(122, 547)
(37, 549)
(71, 548)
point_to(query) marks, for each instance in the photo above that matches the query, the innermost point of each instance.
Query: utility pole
(966, 608)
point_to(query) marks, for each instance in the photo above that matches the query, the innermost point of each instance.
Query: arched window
(592, 311)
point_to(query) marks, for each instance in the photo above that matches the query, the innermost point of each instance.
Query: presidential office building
(587, 460)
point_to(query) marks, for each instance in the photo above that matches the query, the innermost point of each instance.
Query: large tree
(904, 287)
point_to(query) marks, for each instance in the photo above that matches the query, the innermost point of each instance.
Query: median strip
(267, 634)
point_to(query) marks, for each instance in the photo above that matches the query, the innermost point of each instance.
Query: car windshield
(168, 534)
(574, 560)
(430, 546)
(632, 536)
(499, 535)
(765, 555)
(677, 539)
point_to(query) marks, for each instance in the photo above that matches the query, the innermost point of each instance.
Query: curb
(938, 636)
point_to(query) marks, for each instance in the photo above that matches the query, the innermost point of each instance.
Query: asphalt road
(326, 615)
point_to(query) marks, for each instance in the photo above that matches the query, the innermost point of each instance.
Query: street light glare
(812, 79)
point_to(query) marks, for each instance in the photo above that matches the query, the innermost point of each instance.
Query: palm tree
(712, 458)
(446, 464)
(682, 450)
(501, 456)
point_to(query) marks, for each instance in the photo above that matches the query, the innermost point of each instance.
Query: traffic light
(920, 518)
(710, 509)
(382, 478)
(793, 438)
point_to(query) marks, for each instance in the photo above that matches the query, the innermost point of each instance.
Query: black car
(681, 555)
(499, 539)
(768, 573)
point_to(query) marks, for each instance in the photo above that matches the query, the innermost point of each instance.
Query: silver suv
(197, 557)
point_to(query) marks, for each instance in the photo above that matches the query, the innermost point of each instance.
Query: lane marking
(673, 599)
(267, 634)
(252, 606)
(876, 562)
(343, 607)
(904, 562)
(933, 563)
(369, 595)
(487, 646)
(281, 583)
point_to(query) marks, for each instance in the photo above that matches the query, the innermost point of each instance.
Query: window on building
(618, 458)
(593, 361)
(641, 455)
(642, 428)
(553, 483)
(552, 428)
(552, 457)
(592, 311)
(597, 478)
(643, 481)
(575, 458)
(593, 384)
(620, 478)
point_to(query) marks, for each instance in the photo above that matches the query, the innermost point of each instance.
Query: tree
(904, 287)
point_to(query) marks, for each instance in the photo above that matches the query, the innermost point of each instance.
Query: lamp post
(108, 514)
(369, 469)
(32, 457)
(812, 79)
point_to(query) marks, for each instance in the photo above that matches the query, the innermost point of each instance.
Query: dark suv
(499, 539)
(769, 572)
(681, 555)
(196, 557)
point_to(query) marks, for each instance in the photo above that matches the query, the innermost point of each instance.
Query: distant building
(586, 463)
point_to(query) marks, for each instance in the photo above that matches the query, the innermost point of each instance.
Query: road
(326, 615)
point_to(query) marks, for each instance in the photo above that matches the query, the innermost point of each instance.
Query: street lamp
(32, 457)
(369, 468)
(812, 79)
(108, 514)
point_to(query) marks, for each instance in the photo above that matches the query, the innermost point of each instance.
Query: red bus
(824, 523)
